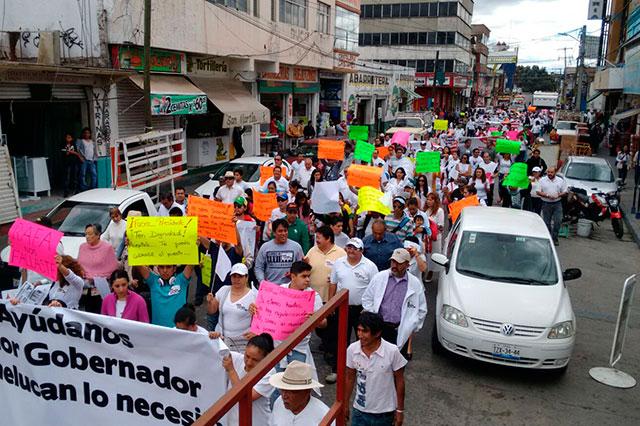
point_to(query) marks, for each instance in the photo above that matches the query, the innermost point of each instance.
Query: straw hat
(297, 376)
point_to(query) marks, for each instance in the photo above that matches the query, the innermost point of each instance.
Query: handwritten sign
(428, 162)
(330, 150)
(364, 151)
(383, 151)
(158, 240)
(207, 267)
(440, 124)
(456, 208)
(215, 219)
(496, 134)
(267, 171)
(359, 133)
(280, 310)
(517, 176)
(359, 176)
(512, 135)
(506, 146)
(401, 138)
(263, 205)
(33, 247)
(370, 200)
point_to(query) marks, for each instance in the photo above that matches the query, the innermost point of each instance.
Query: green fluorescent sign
(178, 104)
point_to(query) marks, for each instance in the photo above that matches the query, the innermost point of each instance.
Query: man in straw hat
(296, 406)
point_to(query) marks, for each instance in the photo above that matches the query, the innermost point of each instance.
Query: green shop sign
(178, 104)
(132, 58)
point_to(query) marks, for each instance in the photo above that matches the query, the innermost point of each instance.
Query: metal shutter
(131, 117)
(59, 91)
(9, 203)
(14, 91)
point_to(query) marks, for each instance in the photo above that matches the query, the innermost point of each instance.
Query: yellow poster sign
(369, 200)
(162, 240)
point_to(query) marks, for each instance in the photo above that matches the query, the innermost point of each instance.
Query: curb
(627, 216)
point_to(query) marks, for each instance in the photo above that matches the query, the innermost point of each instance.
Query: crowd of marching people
(382, 259)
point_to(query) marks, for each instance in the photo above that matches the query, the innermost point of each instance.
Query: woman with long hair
(122, 302)
(436, 214)
(463, 167)
(422, 190)
(480, 182)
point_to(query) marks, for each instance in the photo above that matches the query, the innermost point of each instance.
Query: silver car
(593, 174)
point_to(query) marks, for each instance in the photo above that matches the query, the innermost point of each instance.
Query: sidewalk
(626, 200)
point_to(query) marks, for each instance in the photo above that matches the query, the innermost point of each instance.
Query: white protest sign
(247, 231)
(59, 366)
(325, 197)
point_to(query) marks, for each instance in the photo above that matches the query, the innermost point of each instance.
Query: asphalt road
(445, 390)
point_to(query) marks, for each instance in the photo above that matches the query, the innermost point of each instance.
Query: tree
(530, 79)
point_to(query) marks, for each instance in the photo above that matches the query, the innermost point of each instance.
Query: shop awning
(621, 116)
(237, 104)
(411, 93)
(173, 95)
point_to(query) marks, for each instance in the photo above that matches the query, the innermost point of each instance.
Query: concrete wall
(416, 52)
(198, 26)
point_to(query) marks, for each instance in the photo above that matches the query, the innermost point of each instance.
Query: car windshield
(408, 122)
(71, 217)
(590, 172)
(507, 258)
(566, 125)
(250, 172)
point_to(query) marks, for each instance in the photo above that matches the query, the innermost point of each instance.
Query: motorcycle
(597, 207)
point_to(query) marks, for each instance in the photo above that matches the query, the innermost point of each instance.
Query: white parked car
(501, 296)
(251, 173)
(593, 174)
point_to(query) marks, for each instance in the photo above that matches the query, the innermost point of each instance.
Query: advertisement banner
(59, 366)
(162, 104)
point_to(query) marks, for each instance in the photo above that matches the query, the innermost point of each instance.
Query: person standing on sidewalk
(72, 161)
(623, 159)
(88, 149)
(551, 190)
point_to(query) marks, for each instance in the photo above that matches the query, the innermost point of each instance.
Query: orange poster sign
(267, 171)
(383, 151)
(456, 208)
(359, 176)
(263, 205)
(215, 219)
(330, 150)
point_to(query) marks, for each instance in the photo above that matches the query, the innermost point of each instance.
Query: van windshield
(71, 217)
(507, 258)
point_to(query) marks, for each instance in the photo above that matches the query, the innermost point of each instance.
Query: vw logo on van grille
(507, 329)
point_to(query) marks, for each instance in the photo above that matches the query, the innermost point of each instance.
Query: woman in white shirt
(481, 184)
(114, 234)
(436, 214)
(233, 304)
(397, 183)
(464, 168)
(452, 166)
(238, 365)
(536, 201)
(422, 190)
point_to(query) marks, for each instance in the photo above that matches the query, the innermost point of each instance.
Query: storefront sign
(132, 58)
(47, 77)
(205, 66)
(428, 81)
(288, 73)
(369, 79)
(244, 119)
(460, 81)
(178, 104)
(345, 61)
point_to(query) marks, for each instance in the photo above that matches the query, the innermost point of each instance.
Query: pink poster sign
(280, 310)
(34, 247)
(400, 138)
(512, 135)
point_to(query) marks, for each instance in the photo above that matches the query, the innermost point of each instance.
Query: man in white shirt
(304, 173)
(229, 191)
(353, 272)
(239, 176)
(552, 189)
(296, 166)
(166, 204)
(296, 406)
(378, 369)
(282, 184)
(181, 199)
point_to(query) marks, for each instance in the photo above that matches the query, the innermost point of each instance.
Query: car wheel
(436, 346)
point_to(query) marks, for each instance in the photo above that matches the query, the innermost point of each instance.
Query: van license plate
(506, 351)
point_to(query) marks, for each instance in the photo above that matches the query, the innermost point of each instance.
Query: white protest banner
(325, 197)
(59, 366)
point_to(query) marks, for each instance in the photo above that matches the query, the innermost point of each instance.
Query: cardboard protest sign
(506, 146)
(383, 151)
(86, 369)
(325, 197)
(359, 176)
(364, 151)
(215, 219)
(440, 124)
(369, 200)
(359, 133)
(330, 149)
(517, 176)
(496, 134)
(428, 162)
(267, 171)
(157, 240)
(247, 232)
(401, 138)
(455, 208)
(33, 247)
(280, 310)
(512, 135)
(207, 267)
(263, 205)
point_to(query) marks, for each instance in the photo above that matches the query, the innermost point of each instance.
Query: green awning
(306, 87)
(411, 94)
(265, 86)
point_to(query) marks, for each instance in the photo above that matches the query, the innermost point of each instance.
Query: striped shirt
(405, 230)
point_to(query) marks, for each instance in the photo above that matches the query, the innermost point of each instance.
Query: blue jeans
(552, 216)
(88, 167)
(292, 356)
(358, 418)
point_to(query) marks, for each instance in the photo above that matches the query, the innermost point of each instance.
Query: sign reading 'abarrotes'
(91, 369)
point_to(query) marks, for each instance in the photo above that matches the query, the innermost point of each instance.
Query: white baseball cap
(537, 169)
(239, 269)
(356, 243)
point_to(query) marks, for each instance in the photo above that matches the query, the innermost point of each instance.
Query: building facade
(482, 77)
(434, 37)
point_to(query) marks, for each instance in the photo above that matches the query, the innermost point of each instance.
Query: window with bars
(236, 4)
(413, 38)
(323, 18)
(294, 12)
(406, 10)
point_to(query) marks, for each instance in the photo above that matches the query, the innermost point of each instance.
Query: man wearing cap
(296, 406)
(230, 191)
(298, 230)
(398, 222)
(353, 272)
(380, 244)
(399, 297)
(275, 257)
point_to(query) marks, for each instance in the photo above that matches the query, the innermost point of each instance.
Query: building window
(411, 64)
(403, 39)
(443, 9)
(422, 38)
(420, 65)
(453, 8)
(366, 11)
(236, 4)
(375, 39)
(294, 12)
(431, 38)
(451, 37)
(424, 9)
(448, 65)
(395, 39)
(395, 10)
(324, 17)
(442, 37)
(386, 11)
(385, 39)
(404, 10)
(413, 38)
(274, 12)
(414, 10)
(366, 41)
(377, 11)
(256, 10)
(347, 29)
(429, 65)
(433, 10)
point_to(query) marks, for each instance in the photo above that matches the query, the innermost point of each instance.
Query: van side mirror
(211, 176)
(440, 259)
(570, 274)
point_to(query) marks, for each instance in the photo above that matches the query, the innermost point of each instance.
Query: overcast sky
(533, 27)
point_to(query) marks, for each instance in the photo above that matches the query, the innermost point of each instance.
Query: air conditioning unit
(49, 48)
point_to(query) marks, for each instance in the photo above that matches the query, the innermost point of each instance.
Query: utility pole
(563, 96)
(147, 66)
(602, 28)
(435, 77)
(580, 70)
